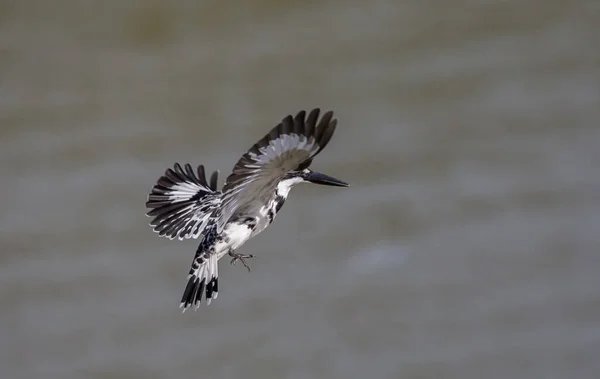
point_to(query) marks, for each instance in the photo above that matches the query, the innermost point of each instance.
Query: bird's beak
(318, 178)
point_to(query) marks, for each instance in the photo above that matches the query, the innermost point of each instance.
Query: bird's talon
(242, 258)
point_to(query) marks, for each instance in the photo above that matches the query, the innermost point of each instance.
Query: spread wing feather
(293, 142)
(183, 203)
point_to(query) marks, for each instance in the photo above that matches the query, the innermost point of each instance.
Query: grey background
(466, 247)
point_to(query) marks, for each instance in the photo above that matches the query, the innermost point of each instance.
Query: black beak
(318, 178)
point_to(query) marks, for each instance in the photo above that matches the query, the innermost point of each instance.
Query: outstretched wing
(290, 144)
(183, 203)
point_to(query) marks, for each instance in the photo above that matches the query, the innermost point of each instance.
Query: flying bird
(184, 204)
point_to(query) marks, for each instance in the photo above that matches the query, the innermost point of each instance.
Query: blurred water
(466, 247)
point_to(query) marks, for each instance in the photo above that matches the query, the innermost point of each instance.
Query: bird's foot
(240, 257)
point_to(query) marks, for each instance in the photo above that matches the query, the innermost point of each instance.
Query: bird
(183, 204)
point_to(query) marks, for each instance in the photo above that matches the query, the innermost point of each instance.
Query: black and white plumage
(185, 205)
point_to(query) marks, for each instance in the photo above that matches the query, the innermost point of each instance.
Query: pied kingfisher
(185, 205)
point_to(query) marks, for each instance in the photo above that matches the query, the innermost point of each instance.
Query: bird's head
(307, 175)
(311, 176)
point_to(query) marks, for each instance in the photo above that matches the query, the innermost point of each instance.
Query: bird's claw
(240, 257)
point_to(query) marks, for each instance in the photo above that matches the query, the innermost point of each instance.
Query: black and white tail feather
(203, 278)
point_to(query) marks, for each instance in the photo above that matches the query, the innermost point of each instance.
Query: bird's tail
(202, 279)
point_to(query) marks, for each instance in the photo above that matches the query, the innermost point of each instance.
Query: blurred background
(466, 247)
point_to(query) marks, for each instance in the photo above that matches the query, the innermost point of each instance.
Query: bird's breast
(235, 234)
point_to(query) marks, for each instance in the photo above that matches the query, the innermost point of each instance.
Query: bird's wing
(291, 145)
(183, 203)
